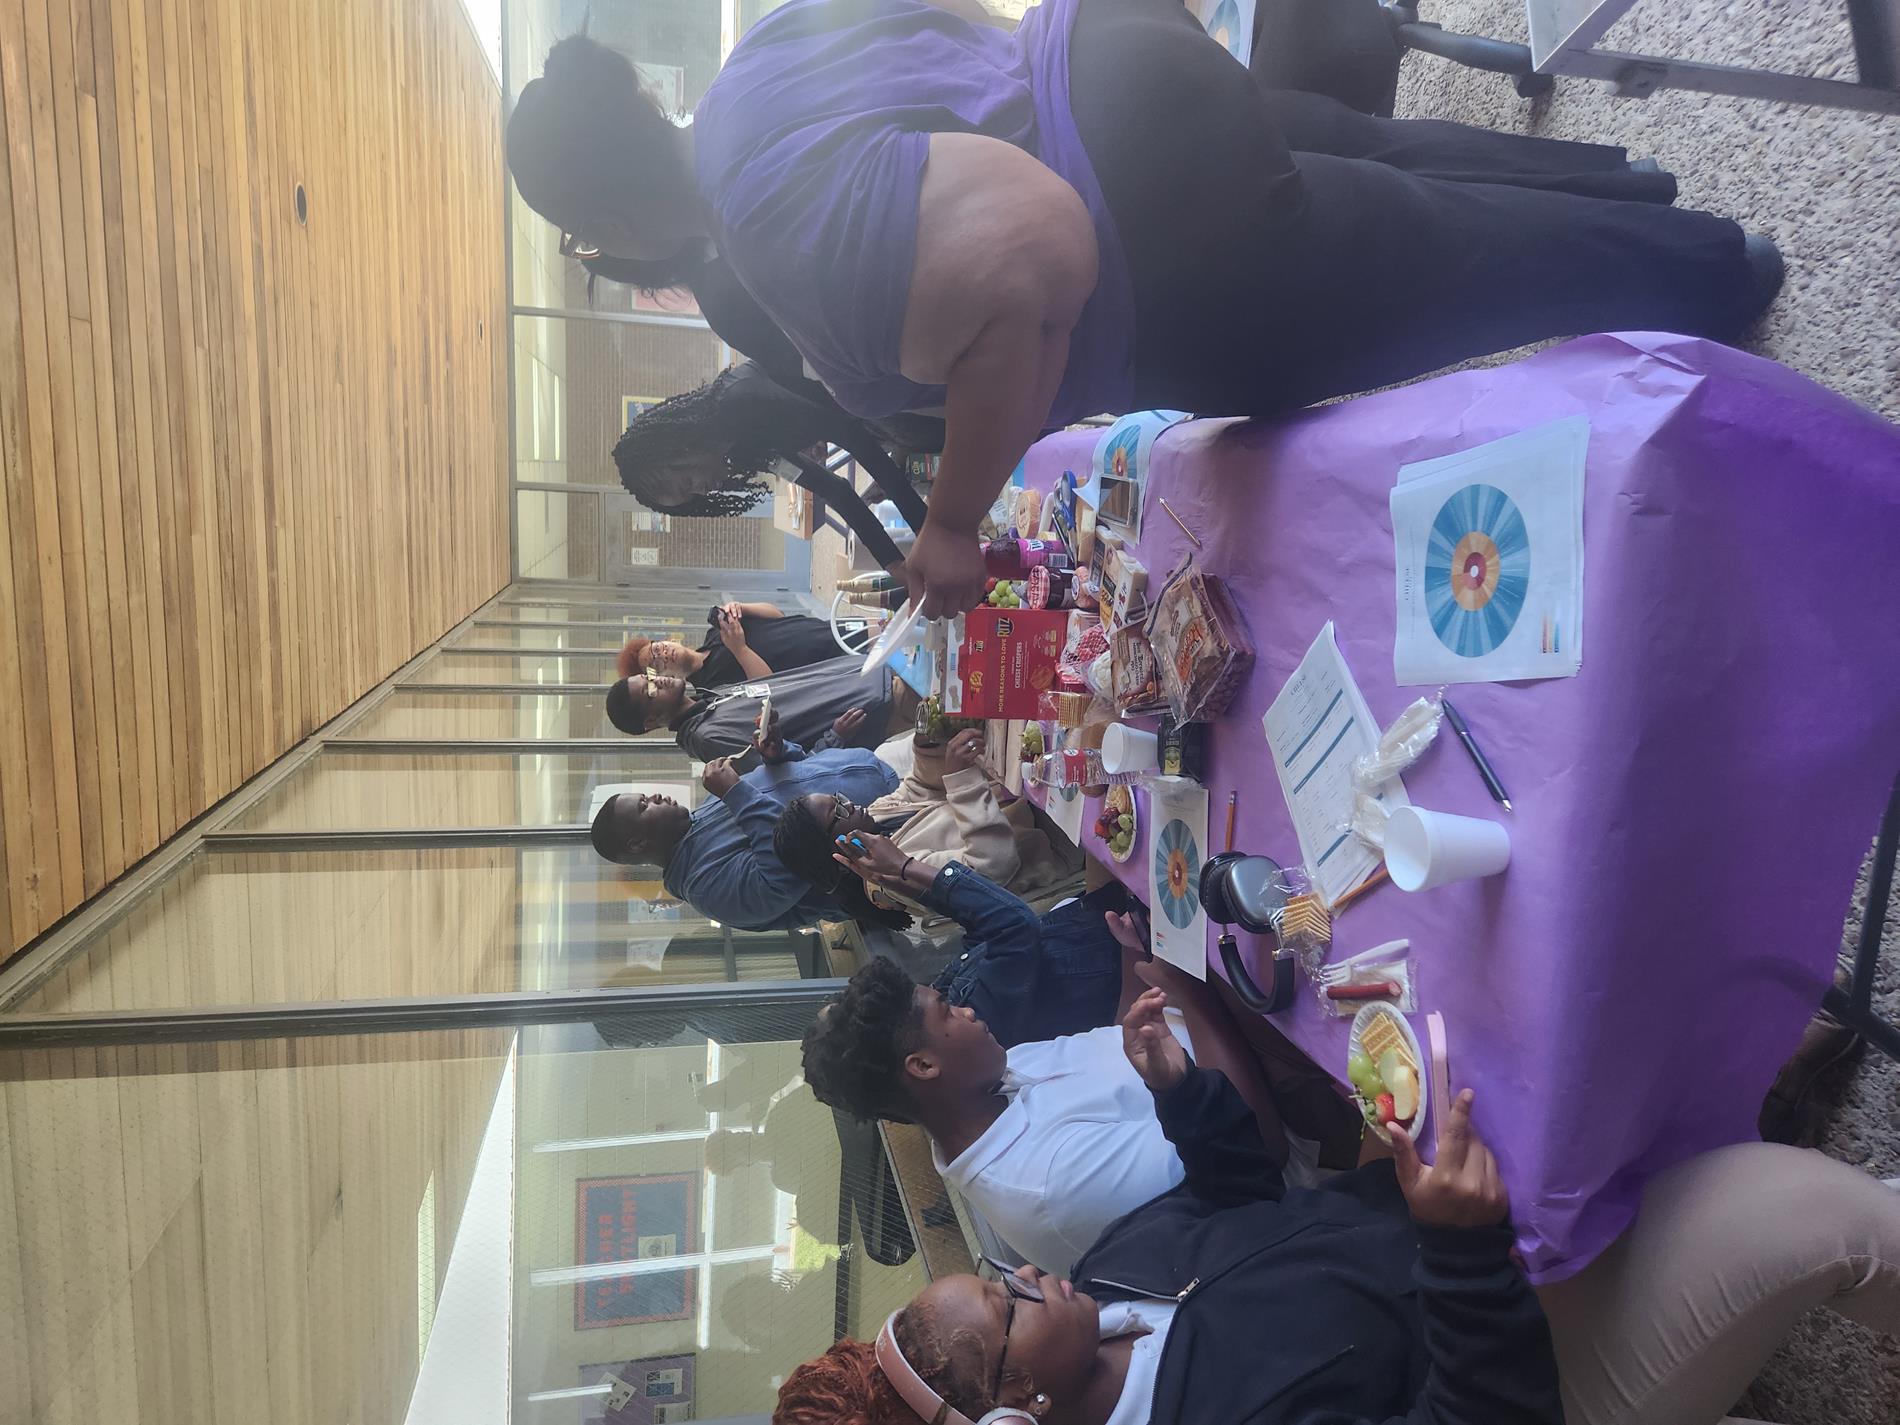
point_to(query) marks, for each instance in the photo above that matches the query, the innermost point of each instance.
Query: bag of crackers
(1134, 675)
(1201, 646)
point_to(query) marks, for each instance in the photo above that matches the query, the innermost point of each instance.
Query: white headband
(918, 1394)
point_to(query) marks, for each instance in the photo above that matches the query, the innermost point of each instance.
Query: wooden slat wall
(224, 1234)
(250, 466)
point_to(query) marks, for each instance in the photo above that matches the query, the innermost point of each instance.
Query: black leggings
(1285, 248)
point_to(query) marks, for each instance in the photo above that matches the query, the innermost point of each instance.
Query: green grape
(1364, 1075)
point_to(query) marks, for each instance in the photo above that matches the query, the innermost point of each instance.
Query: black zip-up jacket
(1320, 1306)
(719, 722)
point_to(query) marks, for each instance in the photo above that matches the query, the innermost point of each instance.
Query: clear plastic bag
(1400, 745)
(1297, 933)
(1343, 989)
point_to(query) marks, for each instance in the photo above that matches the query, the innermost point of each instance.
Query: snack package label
(1008, 660)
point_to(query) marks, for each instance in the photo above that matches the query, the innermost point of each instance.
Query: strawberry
(1384, 1104)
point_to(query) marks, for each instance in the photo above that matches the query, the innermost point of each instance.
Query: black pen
(1491, 782)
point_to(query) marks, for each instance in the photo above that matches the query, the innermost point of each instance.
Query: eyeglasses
(840, 808)
(1015, 1289)
(573, 246)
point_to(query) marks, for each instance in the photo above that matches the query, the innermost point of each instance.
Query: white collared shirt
(1135, 1405)
(1077, 1146)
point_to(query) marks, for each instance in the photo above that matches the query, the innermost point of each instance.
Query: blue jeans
(1029, 977)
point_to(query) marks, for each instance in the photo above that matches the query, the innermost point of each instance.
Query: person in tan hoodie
(947, 808)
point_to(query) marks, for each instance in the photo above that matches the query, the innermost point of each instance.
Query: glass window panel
(578, 382)
(557, 536)
(525, 615)
(585, 924)
(337, 790)
(618, 599)
(411, 713)
(542, 637)
(452, 667)
(753, 11)
(373, 1227)
(233, 928)
(246, 1229)
(783, 1220)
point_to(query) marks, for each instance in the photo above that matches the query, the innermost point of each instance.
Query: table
(1691, 808)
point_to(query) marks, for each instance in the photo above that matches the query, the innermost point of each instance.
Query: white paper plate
(1419, 1059)
(1134, 835)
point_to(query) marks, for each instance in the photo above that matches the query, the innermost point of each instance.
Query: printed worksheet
(1315, 728)
(1177, 836)
(1488, 559)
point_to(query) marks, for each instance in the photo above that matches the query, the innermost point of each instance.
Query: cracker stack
(1382, 1032)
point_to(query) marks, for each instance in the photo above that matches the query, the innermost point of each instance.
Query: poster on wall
(631, 406)
(636, 1219)
(655, 1391)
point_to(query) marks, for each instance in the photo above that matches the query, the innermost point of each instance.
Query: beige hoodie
(961, 816)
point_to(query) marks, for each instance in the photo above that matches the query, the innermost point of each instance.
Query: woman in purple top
(1100, 212)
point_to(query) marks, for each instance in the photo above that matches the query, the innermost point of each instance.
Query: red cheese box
(1007, 660)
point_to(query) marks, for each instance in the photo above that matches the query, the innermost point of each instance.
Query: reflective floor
(437, 1226)
(636, 1218)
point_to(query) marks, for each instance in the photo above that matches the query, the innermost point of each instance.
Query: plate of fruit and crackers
(1116, 822)
(1387, 1070)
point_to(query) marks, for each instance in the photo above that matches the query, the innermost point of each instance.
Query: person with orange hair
(742, 641)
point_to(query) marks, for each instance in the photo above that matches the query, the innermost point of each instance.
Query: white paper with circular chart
(1230, 22)
(1177, 848)
(1488, 555)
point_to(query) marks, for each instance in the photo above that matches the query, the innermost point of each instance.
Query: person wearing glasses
(742, 641)
(1099, 212)
(948, 809)
(830, 704)
(1387, 1295)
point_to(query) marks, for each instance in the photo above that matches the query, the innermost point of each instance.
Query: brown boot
(1794, 1111)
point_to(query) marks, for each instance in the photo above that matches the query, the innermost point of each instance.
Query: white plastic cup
(1434, 848)
(1129, 749)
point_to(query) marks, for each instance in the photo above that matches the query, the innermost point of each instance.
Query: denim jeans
(1029, 977)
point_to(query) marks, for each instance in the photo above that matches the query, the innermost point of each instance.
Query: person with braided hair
(947, 809)
(714, 451)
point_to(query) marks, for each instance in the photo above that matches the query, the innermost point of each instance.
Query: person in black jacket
(1232, 1298)
(829, 704)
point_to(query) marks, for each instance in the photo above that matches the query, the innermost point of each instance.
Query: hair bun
(581, 60)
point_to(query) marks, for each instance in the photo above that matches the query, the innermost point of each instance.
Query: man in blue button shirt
(719, 858)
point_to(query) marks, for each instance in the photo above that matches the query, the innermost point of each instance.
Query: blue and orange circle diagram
(1477, 570)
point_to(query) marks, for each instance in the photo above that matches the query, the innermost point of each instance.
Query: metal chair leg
(1472, 51)
(1854, 1006)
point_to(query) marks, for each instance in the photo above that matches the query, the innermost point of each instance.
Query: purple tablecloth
(1691, 809)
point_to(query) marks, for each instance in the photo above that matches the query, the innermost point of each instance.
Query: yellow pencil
(1178, 520)
(1376, 878)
